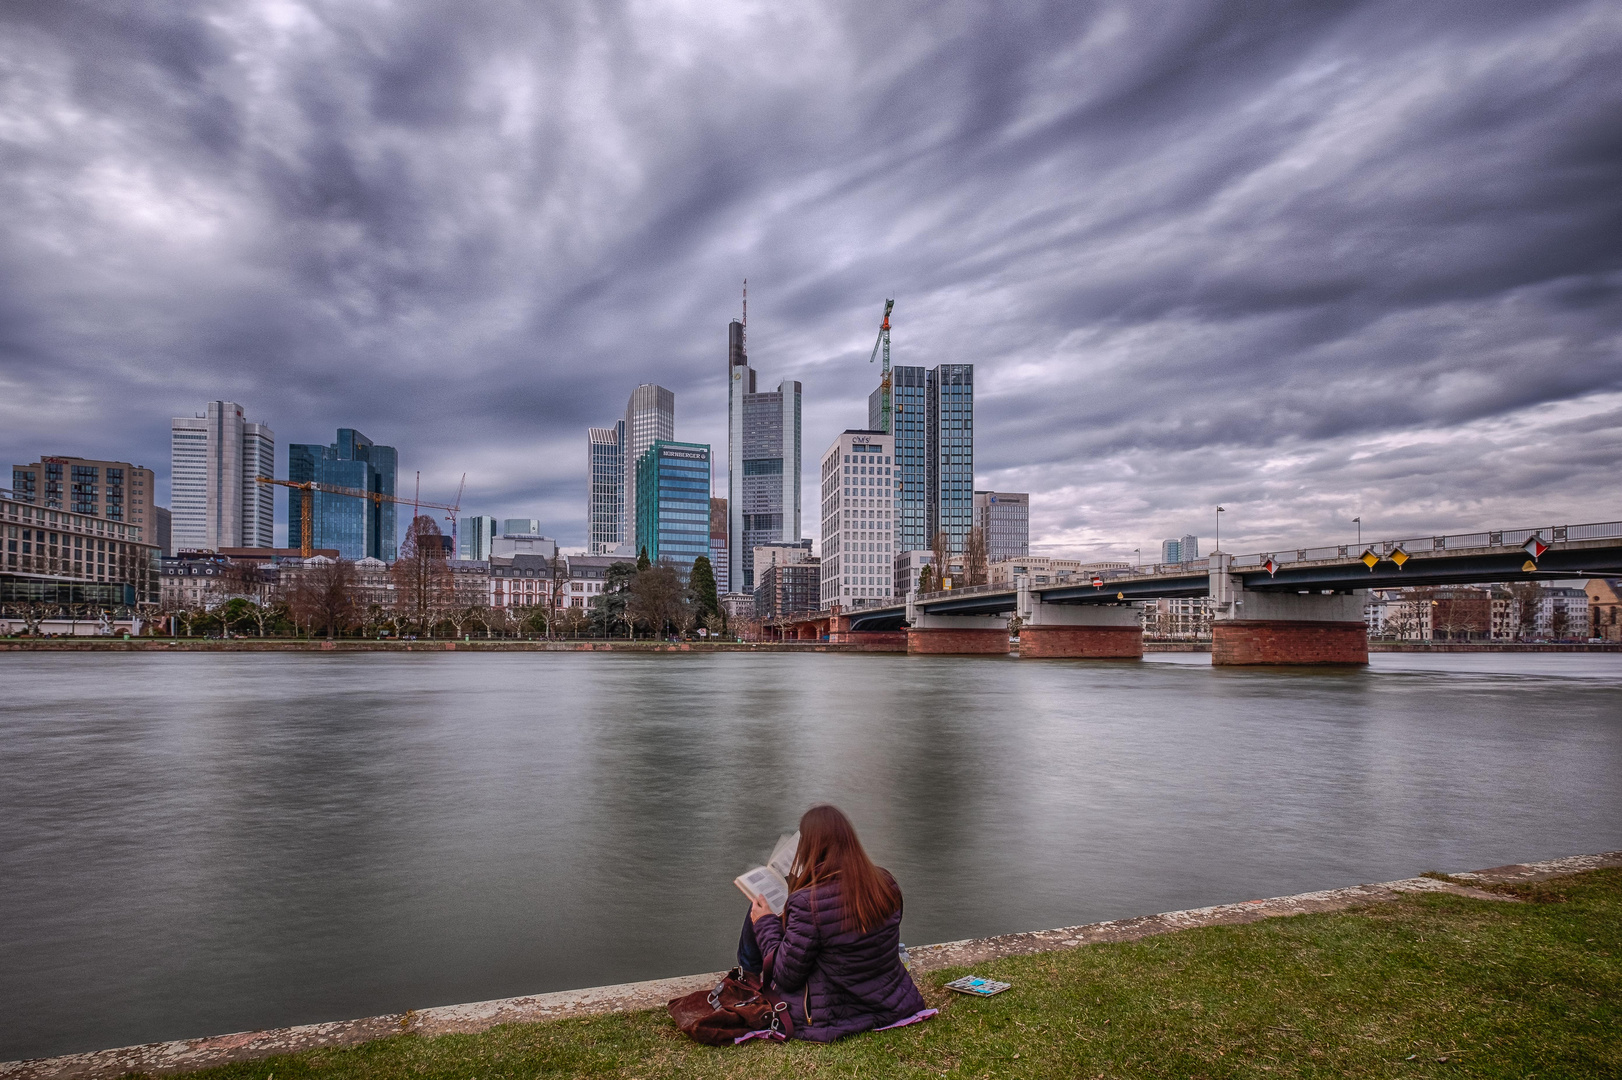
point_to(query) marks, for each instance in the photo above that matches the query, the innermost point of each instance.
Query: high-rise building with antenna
(763, 460)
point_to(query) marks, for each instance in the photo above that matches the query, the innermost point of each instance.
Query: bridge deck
(1573, 551)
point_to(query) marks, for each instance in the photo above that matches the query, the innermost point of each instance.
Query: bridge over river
(1299, 606)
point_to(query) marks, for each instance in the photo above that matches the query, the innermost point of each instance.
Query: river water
(197, 844)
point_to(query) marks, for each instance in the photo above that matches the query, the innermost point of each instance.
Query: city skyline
(1272, 264)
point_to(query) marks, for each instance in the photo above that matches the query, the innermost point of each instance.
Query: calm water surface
(199, 844)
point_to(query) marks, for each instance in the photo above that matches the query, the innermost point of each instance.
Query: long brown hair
(829, 848)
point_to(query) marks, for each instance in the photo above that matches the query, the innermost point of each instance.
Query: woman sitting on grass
(835, 951)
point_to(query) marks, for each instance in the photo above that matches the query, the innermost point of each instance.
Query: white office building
(605, 488)
(763, 463)
(650, 416)
(213, 462)
(858, 520)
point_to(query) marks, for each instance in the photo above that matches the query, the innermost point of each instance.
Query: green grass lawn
(1431, 985)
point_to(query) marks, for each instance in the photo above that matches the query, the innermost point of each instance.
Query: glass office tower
(934, 450)
(673, 502)
(358, 528)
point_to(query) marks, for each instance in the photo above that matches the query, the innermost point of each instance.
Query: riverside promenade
(490, 645)
(180, 1056)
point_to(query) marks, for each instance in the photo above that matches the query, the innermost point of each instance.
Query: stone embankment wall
(115, 644)
(876, 643)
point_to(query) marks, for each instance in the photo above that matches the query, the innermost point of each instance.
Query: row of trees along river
(424, 594)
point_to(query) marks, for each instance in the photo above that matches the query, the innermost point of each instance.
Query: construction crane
(884, 378)
(309, 487)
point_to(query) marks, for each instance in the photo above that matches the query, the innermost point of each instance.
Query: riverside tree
(701, 582)
(324, 596)
(658, 599)
(423, 589)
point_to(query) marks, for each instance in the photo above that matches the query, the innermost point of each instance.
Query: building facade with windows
(95, 559)
(1184, 550)
(858, 520)
(720, 563)
(934, 450)
(214, 462)
(673, 503)
(115, 490)
(358, 528)
(520, 581)
(763, 463)
(1004, 519)
(650, 417)
(588, 578)
(605, 488)
(788, 588)
(474, 537)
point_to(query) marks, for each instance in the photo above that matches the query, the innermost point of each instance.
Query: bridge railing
(1508, 538)
(1491, 538)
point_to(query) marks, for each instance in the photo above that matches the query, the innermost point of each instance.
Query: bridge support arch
(1251, 627)
(1087, 631)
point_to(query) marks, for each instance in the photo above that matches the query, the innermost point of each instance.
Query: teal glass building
(673, 502)
(358, 528)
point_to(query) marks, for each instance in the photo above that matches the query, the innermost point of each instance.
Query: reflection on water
(198, 844)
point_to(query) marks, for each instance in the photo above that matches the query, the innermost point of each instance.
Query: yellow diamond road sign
(1369, 559)
(1399, 557)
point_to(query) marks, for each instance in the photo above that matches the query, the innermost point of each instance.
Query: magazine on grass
(771, 881)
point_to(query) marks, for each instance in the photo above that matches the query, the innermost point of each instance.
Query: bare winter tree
(941, 550)
(423, 588)
(975, 566)
(324, 596)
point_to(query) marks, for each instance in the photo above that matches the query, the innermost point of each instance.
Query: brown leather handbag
(738, 1009)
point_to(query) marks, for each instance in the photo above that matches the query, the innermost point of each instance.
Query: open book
(771, 881)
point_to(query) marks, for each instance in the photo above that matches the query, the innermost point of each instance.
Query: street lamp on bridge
(1220, 511)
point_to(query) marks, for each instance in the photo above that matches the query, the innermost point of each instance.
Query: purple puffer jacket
(836, 982)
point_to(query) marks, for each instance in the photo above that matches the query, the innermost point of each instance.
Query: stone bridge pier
(1251, 627)
(1094, 631)
(947, 635)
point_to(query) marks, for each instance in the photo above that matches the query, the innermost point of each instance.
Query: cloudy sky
(1311, 261)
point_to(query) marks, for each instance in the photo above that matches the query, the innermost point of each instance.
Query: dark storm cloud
(1308, 260)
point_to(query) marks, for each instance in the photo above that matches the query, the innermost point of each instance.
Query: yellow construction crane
(310, 487)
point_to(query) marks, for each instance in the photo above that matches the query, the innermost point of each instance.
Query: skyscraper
(720, 565)
(1004, 518)
(475, 534)
(763, 463)
(934, 453)
(605, 488)
(1184, 550)
(673, 502)
(358, 528)
(214, 500)
(858, 520)
(650, 415)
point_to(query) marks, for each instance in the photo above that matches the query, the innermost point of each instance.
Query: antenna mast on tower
(746, 317)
